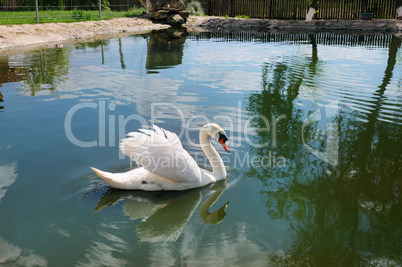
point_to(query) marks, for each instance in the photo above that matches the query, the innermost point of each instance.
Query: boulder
(175, 20)
(161, 14)
(184, 14)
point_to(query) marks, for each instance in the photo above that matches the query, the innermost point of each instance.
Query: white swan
(165, 164)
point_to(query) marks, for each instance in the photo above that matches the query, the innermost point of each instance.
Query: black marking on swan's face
(222, 140)
(222, 136)
(144, 182)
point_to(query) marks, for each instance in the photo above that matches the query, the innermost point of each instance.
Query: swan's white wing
(161, 152)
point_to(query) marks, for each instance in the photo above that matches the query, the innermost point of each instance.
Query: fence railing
(297, 9)
(21, 5)
(11, 13)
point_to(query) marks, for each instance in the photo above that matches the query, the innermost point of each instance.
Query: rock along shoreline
(36, 36)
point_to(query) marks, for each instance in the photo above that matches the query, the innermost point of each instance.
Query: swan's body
(165, 164)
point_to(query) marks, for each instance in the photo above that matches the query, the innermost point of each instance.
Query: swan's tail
(106, 176)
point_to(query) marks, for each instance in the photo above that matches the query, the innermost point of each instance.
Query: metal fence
(21, 11)
(21, 5)
(297, 9)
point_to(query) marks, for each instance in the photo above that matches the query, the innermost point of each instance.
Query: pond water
(314, 123)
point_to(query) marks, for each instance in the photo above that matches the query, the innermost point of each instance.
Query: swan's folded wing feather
(160, 131)
(162, 153)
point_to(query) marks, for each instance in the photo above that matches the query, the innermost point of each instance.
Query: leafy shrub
(134, 11)
(80, 15)
(195, 8)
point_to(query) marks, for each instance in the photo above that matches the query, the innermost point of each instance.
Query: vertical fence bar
(330, 7)
(269, 8)
(37, 11)
(328, 10)
(100, 9)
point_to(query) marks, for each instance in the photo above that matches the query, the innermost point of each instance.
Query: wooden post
(364, 6)
(100, 9)
(399, 9)
(311, 10)
(37, 12)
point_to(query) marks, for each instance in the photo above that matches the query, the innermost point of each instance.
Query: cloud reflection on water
(8, 251)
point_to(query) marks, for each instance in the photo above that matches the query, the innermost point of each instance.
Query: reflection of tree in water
(45, 69)
(94, 44)
(9, 74)
(102, 44)
(1, 100)
(165, 49)
(347, 214)
(281, 81)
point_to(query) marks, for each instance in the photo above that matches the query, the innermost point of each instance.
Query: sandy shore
(44, 35)
(28, 36)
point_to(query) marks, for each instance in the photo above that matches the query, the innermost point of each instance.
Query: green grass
(29, 17)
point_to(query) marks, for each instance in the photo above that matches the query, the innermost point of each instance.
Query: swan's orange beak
(225, 146)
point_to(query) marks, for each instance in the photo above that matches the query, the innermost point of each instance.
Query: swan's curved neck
(218, 168)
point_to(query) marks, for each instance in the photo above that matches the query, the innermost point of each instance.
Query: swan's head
(216, 132)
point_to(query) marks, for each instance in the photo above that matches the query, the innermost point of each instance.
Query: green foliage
(195, 8)
(134, 11)
(226, 16)
(28, 5)
(242, 17)
(61, 4)
(80, 15)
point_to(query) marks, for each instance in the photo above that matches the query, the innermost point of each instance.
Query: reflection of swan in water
(216, 216)
(165, 164)
(164, 214)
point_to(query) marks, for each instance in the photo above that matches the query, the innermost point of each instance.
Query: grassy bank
(29, 17)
